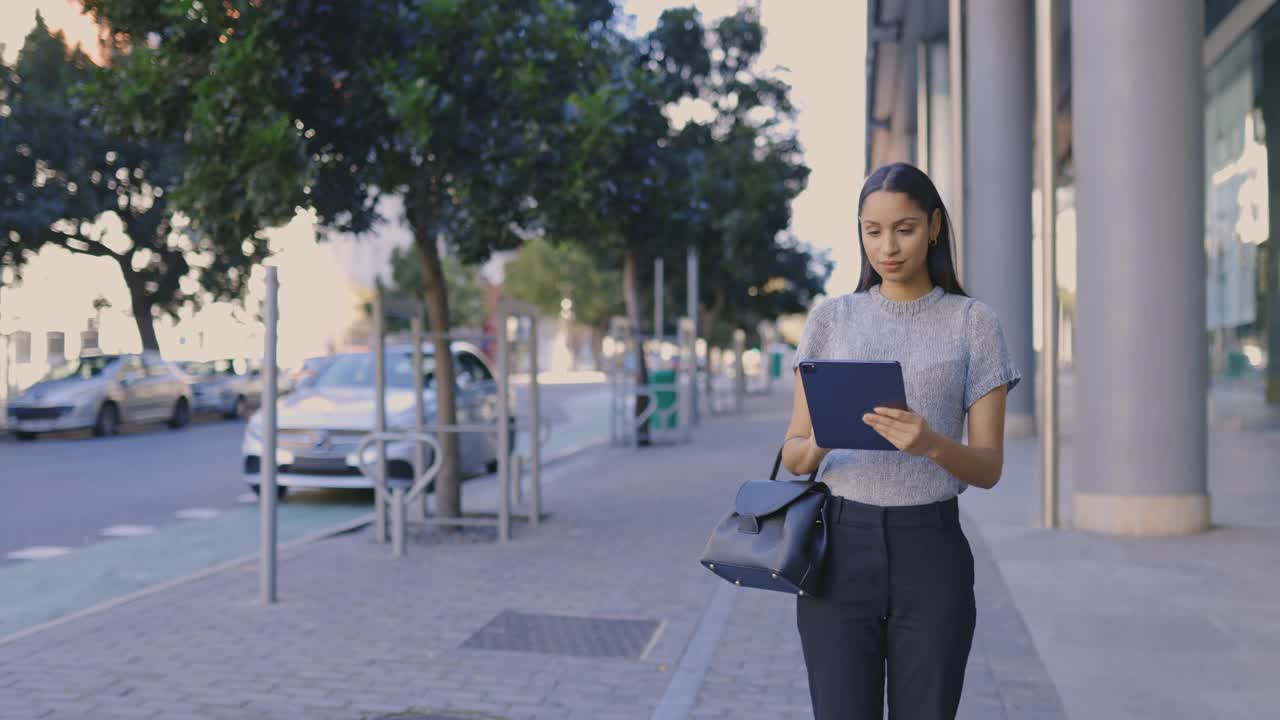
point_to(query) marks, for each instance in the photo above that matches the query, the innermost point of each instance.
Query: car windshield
(357, 371)
(83, 368)
(211, 368)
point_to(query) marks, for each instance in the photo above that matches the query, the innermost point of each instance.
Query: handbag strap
(777, 462)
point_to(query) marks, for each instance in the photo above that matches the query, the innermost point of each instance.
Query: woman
(897, 586)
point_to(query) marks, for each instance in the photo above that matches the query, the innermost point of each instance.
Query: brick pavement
(358, 634)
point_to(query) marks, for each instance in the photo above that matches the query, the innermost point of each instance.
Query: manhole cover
(564, 635)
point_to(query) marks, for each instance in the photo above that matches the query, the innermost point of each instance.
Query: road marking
(127, 531)
(249, 498)
(38, 552)
(197, 514)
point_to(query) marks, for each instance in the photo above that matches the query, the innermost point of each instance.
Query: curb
(339, 529)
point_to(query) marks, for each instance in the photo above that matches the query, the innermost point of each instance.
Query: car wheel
(24, 436)
(240, 410)
(281, 491)
(108, 422)
(181, 414)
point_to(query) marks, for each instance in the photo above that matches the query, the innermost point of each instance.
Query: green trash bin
(775, 364)
(666, 399)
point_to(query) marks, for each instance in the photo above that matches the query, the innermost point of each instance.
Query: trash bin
(1237, 364)
(775, 364)
(666, 399)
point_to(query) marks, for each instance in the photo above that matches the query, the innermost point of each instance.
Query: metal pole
(397, 522)
(504, 436)
(535, 433)
(419, 409)
(689, 387)
(691, 309)
(657, 302)
(955, 66)
(267, 482)
(739, 369)
(1046, 92)
(380, 413)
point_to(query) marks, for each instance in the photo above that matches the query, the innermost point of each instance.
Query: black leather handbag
(775, 537)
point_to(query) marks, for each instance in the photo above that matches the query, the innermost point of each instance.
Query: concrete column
(1141, 355)
(999, 104)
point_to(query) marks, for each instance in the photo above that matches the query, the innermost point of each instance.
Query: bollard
(397, 521)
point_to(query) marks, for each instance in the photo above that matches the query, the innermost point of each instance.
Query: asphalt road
(64, 492)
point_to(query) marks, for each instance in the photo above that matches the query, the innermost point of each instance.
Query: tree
(63, 173)
(544, 273)
(328, 105)
(649, 189)
(751, 268)
(465, 286)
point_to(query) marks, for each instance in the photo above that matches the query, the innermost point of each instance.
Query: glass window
(84, 368)
(1242, 174)
(1215, 11)
(132, 366)
(358, 371)
(157, 367)
(473, 367)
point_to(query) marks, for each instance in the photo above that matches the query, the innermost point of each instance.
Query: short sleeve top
(952, 351)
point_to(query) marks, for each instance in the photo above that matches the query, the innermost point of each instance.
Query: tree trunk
(140, 304)
(631, 297)
(447, 488)
(597, 339)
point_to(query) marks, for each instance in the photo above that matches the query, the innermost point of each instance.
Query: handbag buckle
(748, 523)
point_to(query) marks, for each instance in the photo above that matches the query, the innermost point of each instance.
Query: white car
(321, 425)
(102, 392)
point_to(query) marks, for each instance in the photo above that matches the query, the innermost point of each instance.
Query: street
(84, 520)
(63, 492)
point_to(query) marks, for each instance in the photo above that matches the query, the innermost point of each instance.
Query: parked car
(304, 375)
(321, 424)
(231, 388)
(101, 393)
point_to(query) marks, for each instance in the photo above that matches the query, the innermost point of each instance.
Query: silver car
(230, 388)
(102, 392)
(321, 424)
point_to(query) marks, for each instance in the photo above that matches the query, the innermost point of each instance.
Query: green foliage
(466, 287)
(645, 187)
(544, 273)
(61, 171)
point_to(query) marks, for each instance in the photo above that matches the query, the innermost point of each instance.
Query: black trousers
(897, 595)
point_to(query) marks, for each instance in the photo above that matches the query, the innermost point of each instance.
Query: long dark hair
(911, 180)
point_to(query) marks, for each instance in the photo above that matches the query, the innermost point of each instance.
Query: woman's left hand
(908, 432)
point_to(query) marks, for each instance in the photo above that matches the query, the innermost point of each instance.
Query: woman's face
(896, 234)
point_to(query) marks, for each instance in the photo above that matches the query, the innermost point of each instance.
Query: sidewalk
(1165, 628)
(358, 634)
(1118, 628)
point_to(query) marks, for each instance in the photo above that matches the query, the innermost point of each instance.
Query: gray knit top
(952, 352)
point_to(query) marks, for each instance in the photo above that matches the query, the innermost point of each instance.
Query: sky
(820, 46)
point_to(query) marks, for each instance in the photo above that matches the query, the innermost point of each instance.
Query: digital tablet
(840, 392)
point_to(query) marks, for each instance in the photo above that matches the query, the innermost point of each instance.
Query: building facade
(1168, 270)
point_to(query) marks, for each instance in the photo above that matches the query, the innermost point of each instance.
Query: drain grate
(564, 635)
